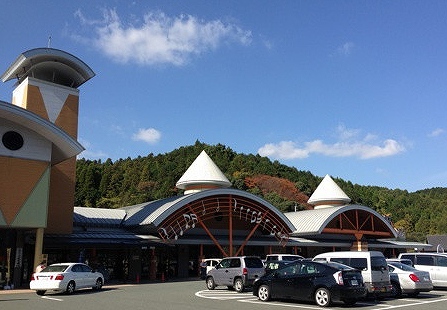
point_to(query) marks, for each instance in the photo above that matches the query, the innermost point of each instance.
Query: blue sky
(353, 89)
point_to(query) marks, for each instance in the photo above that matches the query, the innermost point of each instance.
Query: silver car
(235, 272)
(408, 280)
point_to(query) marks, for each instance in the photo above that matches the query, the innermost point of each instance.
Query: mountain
(124, 182)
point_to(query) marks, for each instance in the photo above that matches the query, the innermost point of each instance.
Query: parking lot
(192, 295)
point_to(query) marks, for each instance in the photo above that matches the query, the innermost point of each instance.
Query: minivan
(372, 264)
(434, 263)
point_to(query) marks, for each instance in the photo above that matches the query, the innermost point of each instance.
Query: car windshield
(253, 262)
(402, 266)
(55, 268)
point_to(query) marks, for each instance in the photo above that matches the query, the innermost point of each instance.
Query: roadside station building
(153, 240)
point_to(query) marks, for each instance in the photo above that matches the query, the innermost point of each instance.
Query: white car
(409, 280)
(66, 277)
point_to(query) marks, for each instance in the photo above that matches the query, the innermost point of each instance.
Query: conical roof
(202, 174)
(328, 194)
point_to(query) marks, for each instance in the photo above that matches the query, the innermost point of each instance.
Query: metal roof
(312, 222)
(50, 65)
(64, 146)
(98, 217)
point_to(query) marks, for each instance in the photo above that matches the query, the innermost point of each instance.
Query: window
(425, 260)
(12, 140)
(360, 263)
(235, 263)
(378, 263)
(441, 261)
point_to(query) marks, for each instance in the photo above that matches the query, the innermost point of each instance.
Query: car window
(57, 268)
(76, 268)
(408, 256)
(426, 260)
(272, 257)
(225, 263)
(441, 261)
(253, 262)
(235, 263)
(309, 268)
(86, 268)
(362, 263)
(378, 263)
(340, 260)
(290, 257)
(290, 270)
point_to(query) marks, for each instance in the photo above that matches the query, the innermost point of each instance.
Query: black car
(322, 282)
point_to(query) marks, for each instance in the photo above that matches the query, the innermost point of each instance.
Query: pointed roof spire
(202, 174)
(328, 194)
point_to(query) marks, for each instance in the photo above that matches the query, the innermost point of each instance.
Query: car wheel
(40, 293)
(396, 291)
(210, 283)
(238, 285)
(98, 284)
(322, 297)
(71, 286)
(264, 293)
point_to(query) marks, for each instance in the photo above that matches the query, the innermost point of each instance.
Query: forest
(125, 182)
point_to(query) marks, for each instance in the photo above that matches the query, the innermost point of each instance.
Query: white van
(372, 264)
(434, 263)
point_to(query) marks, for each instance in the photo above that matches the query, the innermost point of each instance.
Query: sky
(354, 89)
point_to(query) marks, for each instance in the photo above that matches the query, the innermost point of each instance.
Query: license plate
(354, 282)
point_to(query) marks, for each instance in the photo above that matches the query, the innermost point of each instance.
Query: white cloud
(348, 146)
(345, 49)
(149, 135)
(161, 39)
(437, 132)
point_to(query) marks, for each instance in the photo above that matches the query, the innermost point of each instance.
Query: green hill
(124, 182)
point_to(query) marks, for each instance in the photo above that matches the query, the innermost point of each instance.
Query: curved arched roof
(318, 221)
(155, 214)
(50, 65)
(64, 146)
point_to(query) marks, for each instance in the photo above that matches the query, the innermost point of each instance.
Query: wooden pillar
(38, 248)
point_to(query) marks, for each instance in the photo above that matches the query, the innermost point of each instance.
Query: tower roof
(328, 193)
(202, 174)
(50, 65)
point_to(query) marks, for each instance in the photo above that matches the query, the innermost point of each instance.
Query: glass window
(441, 261)
(378, 263)
(235, 263)
(253, 262)
(425, 260)
(225, 263)
(340, 260)
(361, 263)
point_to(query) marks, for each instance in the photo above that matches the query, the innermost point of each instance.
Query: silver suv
(235, 272)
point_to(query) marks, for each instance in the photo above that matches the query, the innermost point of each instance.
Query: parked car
(322, 282)
(434, 263)
(372, 264)
(66, 277)
(287, 257)
(273, 265)
(409, 280)
(235, 272)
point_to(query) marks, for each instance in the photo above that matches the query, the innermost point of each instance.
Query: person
(203, 269)
(41, 266)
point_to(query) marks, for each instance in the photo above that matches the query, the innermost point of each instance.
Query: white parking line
(52, 298)
(413, 304)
